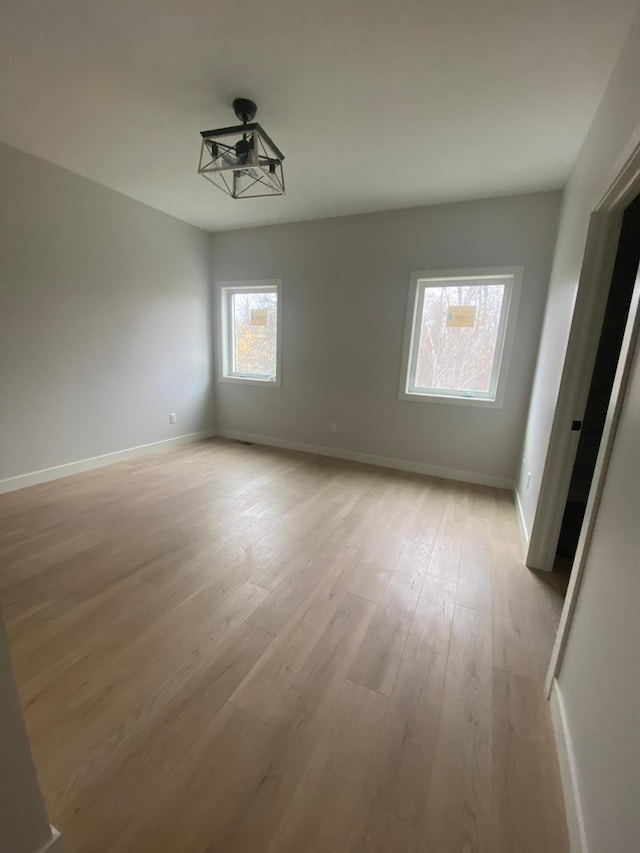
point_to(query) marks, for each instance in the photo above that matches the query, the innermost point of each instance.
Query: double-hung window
(458, 336)
(250, 332)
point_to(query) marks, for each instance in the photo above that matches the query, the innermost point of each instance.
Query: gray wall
(345, 287)
(104, 319)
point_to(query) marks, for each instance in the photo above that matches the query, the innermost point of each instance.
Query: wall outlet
(332, 427)
(528, 479)
(172, 418)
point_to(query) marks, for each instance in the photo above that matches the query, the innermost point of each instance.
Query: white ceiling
(376, 104)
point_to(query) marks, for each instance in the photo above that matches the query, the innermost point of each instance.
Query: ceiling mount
(244, 109)
(243, 161)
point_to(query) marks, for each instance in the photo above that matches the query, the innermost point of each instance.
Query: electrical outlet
(332, 427)
(172, 418)
(528, 479)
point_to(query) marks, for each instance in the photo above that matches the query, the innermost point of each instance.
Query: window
(250, 321)
(459, 328)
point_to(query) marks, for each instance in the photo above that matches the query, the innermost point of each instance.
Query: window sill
(241, 380)
(477, 402)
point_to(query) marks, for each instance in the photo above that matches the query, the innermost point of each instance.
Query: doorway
(599, 260)
(608, 353)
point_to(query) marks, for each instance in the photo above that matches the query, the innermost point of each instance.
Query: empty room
(319, 426)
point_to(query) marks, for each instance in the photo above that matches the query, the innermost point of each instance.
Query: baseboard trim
(524, 533)
(568, 774)
(372, 459)
(21, 481)
(55, 843)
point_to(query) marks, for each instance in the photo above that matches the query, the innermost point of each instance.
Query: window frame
(418, 282)
(226, 289)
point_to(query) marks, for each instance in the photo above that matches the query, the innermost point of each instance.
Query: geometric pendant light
(242, 161)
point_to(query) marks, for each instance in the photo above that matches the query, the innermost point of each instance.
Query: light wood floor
(236, 649)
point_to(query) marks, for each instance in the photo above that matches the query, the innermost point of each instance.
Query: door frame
(586, 324)
(598, 263)
(616, 401)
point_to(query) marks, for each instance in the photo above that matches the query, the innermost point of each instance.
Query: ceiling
(377, 104)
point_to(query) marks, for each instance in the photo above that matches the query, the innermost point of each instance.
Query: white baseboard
(55, 843)
(21, 481)
(372, 459)
(568, 774)
(524, 533)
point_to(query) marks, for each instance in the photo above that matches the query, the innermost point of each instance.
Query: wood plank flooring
(235, 649)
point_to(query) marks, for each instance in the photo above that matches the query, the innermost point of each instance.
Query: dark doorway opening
(606, 363)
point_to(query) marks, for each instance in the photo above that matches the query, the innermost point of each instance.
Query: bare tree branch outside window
(254, 318)
(458, 358)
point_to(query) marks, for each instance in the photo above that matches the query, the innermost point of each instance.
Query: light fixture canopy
(242, 161)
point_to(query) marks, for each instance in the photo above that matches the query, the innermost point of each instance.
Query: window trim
(225, 336)
(506, 330)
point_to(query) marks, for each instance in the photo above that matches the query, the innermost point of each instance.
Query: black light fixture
(242, 161)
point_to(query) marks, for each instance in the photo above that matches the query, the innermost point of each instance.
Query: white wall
(599, 683)
(24, 827)
(609, 141)
(104, 319)
(345, 288)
